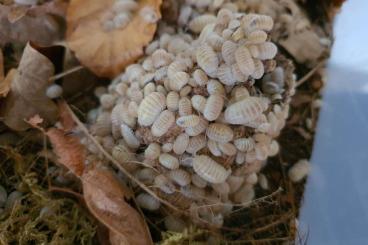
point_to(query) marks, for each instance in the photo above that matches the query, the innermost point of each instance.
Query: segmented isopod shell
(225, 75)
(246, 110)
(215, 87)
(213, 107)
(161, 73)
(196, 143)
(150, 108)
(172, 101)
(257, 36)
(148, 89)
(199, 102)
(219, 132)
(102, 127)
(227, 149)
(207, 59)
(129, 136)
(210, 170)
(234, 24)
(200, 77)
(167, 147)
(123, 155)
(148, 202)
(179, 80)
(180, 176)
(149, 14)
(184, 15)
(228, 52)
(185, 106)
(198, 129)
(169, 161)
(151, 47)
(244, 144)
(244, 60)
(258, 22)
(238, 75)
(238, 34)
(164, 184)
(193, 192)
(198, 181)
(145, 175)
(185, 91)
(278, 76)
(152, 151)
(239, 93)
(299, 170)
(266, 51)
(258, 69)
(133, 109)
(215, 41)
(214, 148)
(188, 121)
(198, 23)
(161, 58)
(274, 148)
(181, 143)
(174, 67)
(162, 124)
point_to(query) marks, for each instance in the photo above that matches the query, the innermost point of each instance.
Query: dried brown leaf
(20, 27)
(5, 83)
(107, 53)
(27, 96)
(2, 71)
(104, 197)
(70, 151)
(65, 118)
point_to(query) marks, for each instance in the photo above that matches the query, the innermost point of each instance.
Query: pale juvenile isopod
(150, 108)
(174, 224)
(240, 157)
(238, 34)
(219, 132)
(278, 76)
(164, 184)
(238, 75)
(169, 161)
(147, 201)
(186, 160)
(174, 67)
(161, 73)
(258, 69)
(152, 47)
(148, 89)
(181, 143)
(207, 59)
(193, 192)
(246, 110)
(222, 188)
(122, 154)
(188, 121)
(213, 107)
(262, 151)
(299, 170)
(129, 136)
(215, 41)
(257, 36)
(244, 144)
(162, 124)
(227, 149)
(133, 108)
(244, 60)
(234, 24)
(214, 148)
(196, 143)
(225, 75)
(120, 20)
(263, 182)
(200, 77)
(152, 151)
(257, 22)
(227, 33)
(145, 175)
(266, 51)
(228, 52)
(198, 23)
(215, 87)
(184, 15)
(185, 91)
(172, 101)
(235, 182)
(179, 80)
(161, 58)
(54, 91)
(148, 64)
(198, 129)
(252, 179)
(210, 170)
(199, 102)
(167, 147)
(180, 177)
(198, 181)
(185, 106)
(239, 93)
(102, 127)
(274, 148)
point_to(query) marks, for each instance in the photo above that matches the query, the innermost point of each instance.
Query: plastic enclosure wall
(335, 209)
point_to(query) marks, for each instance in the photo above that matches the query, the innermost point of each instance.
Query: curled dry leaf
(27, 95)
(104, 197)
(106, 53)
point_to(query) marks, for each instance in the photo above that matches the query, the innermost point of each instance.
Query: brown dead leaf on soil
(104, 197)
(106, 53)
(27, 95)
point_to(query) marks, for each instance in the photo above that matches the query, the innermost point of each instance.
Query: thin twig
(309, 74)
(65, 73)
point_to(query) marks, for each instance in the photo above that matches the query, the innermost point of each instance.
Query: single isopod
(198, 23)
(196, 143)
(172, 101)
(188, 121)
(152, 151)
(246, 110)
(257, 36)
(179, 80)
(129, 136)
(244, 144)
(185, 91)
(210, 170)
(123, 154)
(199, 102)
(198, 181)
(227, 149)
(299, 170)
(258, 69)
(266, 51)
(150, 108)
(164, 184)
(185, 106)
(213, 107)
(215, 87)
(148, 202)
(174, 67)
(214, 148)
(169, 161)
(162, 124)
(235, 182)
(149, 14)
(161, 58)
(222, 188)
(181, 143)
(148, 89)
(219, 132)
(228, 52)
(256, 22)
(244, 60)
(198, 129)
(167, 147)
(200, 77)
(180, 176)
(103, 125)
(207, 59)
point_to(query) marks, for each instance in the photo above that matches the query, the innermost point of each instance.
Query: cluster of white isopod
(196, 118)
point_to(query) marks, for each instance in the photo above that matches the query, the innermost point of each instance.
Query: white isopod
(219, 132)
(150, 108)
(198, 129)
(246, 110)
(181, 143)
(244, 60)
(169, 161)
(207, 59)
(199, 102)
(213, 108)
(149, 15)
(266, 51)
(228, 52)
(54, 91)
(257, 36)
(198, 23)
(244, 144)
(180, 176)
(299, 170)
(227, 149)
(225, 75)
(210, 170)
(196, 143)
(148, 202)
(163, 123)
(198, 181)
(257, 22)
(152, 151)
(258, 69)
(215, 87)
(161, 58)
(185, 106)
(129, 136)
(148, 89)
(164, 184)
(235, 182)
(200, 77)
(172, 101)
(179, 80)
(214, 148)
